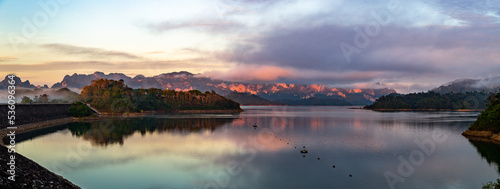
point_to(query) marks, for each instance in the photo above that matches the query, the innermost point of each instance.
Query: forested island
(112, 96)
(431, 101)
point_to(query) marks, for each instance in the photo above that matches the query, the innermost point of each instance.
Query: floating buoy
(318, 158)
(350, 175)
(333, 166)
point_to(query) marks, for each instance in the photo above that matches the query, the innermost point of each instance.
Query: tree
(115, 97)
(44, 98)
(79, 109)
(489, 119)
(26, 100)
(492, 185)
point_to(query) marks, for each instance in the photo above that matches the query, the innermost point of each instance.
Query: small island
(487, 125)
(431, 101)
(114, 97)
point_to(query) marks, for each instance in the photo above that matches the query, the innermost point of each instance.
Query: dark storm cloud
(417, 50)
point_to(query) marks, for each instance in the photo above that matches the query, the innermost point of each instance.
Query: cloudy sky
(406, 45)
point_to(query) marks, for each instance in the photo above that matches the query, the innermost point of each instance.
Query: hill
(487, 125)
(249, 99)
(489, 119)
(115, 97)
(490, 85)
(19, 83)
(431, 101)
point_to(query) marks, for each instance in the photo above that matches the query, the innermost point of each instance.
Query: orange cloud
(252, 73)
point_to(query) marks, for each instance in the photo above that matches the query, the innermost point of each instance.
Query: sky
(401, 44)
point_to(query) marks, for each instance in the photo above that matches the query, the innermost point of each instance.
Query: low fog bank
(62, 95)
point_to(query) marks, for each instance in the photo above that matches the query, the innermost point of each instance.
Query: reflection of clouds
(363, 145)
(191, 150)
(353, 133)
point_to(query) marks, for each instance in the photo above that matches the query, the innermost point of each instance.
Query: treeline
(489, 119)
(62, 95)
(431, 100)
(114, 96)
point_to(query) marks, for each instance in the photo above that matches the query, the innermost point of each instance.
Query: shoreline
(486, 136)
(30, 174)
(36, 126)
(425, 110)
(104, 114)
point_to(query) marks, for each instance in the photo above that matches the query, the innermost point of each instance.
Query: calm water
(203, 151)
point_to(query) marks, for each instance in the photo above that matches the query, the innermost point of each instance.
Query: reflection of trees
(113, 131)
(488, 150)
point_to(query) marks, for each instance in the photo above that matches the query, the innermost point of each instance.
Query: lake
(346, 148)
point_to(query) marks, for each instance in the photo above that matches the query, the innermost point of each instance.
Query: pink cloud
(252, 73)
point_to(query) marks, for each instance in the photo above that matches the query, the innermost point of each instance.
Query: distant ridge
(249, 99)
(185, 81)
(490, 85)
(19, 83)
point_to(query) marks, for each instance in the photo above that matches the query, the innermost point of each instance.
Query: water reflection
(115, 131)
(489, 151)
(196, 152)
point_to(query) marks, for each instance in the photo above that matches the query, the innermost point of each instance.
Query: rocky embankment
(34, 113)
(482, 135)
(29, 174)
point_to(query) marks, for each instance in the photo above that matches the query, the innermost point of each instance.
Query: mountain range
(250, 99)
(184, 81)
(259, 93)
(19, 83)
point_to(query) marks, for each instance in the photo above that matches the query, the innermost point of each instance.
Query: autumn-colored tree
(114, 96)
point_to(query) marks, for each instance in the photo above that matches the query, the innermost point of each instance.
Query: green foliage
(489, 119)
(115, 97)
(79, 109)
(431, 100)
(195, 92)
(26, 100)
(492, 185)
(44, 98)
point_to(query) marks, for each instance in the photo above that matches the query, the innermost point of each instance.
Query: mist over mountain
(184, 81)
(490, 85)
(275, 92)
